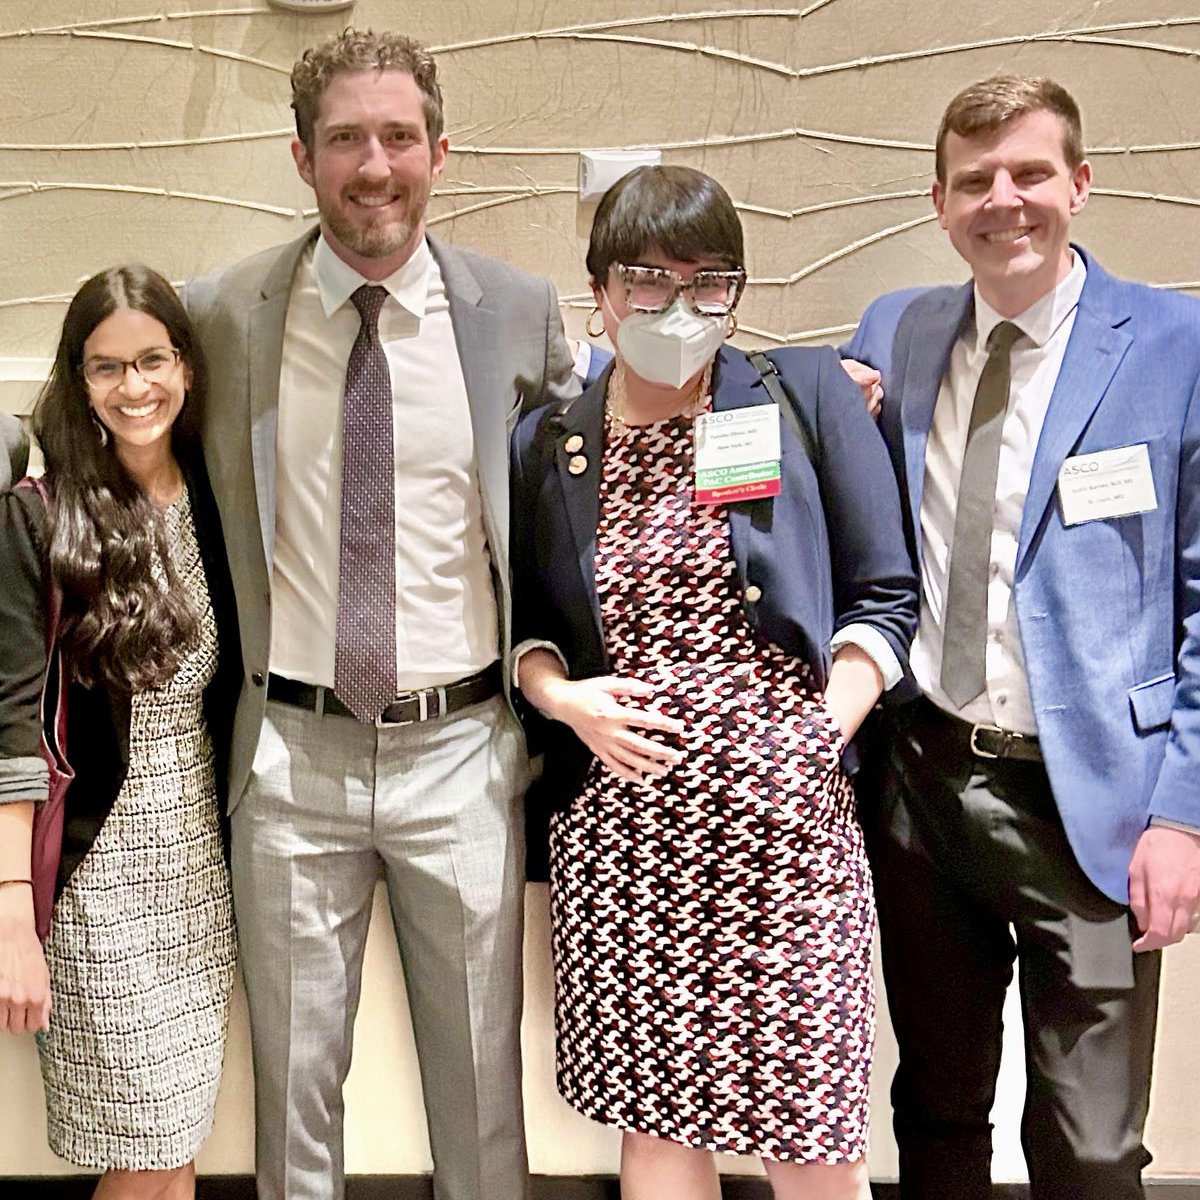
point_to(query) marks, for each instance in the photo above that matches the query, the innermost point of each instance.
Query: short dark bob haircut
(682, 212)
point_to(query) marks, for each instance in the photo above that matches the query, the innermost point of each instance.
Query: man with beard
(364, 379)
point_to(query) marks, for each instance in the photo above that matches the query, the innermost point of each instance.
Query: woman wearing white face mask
(710, 593)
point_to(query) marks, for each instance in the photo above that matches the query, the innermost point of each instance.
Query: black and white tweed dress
(143, 946)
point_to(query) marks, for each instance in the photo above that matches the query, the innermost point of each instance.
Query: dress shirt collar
(337, 281)
(1042, 319)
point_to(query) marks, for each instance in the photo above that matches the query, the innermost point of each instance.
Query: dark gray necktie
(964, 643)
(365, 671)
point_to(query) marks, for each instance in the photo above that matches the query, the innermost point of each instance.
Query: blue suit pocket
(1152, 702)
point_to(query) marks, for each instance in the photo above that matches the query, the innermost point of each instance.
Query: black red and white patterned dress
(711, 929)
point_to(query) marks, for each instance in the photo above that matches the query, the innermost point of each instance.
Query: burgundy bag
(46, 851)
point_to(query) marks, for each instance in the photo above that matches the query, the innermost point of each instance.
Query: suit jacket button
(257, 679)
(577, 465)
(573, 444)
(753, 594)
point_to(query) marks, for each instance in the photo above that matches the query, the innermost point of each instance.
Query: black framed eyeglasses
(654, 289)
(154, 366)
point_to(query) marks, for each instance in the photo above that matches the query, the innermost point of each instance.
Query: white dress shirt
(1036, 360)
(446, 621)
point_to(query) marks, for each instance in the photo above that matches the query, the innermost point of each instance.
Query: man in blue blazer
(1041, 800)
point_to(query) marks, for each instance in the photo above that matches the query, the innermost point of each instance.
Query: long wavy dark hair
(127, 623)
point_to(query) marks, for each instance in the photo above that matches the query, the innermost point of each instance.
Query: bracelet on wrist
(6, 882)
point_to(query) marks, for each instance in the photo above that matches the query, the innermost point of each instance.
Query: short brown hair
(987, 105)
(681, 211)
(363, 50)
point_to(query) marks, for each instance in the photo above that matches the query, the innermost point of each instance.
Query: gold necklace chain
(695, 403)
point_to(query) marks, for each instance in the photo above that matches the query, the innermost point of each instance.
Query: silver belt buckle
(976, 748)
(439, 694)
(381, 723)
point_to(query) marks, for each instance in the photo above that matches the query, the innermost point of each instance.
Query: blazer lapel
(930, 342)
(737, 384)
(264, 338)
(584, 419)
(1094, 352)
(475, 332)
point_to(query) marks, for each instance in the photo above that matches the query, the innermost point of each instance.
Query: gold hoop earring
(587, 325)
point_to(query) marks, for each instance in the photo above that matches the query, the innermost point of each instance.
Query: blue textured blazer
(825, 553)
(1109, 610)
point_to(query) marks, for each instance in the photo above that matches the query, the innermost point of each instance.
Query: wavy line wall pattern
(157, 130)
(160, 132)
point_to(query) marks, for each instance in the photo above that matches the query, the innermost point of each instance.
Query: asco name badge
(1106, 484)
(737, 454)
(312, 6)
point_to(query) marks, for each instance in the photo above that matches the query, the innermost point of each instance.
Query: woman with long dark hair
(129, 994)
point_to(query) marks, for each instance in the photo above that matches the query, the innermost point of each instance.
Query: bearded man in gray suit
(364, 379)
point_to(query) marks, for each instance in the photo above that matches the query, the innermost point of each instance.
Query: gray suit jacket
(514, 358)
(14, 451)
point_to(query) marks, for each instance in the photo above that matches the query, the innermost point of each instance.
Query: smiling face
(372, 168)
(1007, 203)
(137, 412)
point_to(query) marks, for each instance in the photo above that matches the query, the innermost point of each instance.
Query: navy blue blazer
(827, 552)
(1109, 610)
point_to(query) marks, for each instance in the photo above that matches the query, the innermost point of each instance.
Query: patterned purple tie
(365, 671)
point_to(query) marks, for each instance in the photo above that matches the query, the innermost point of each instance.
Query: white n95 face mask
(669, 347)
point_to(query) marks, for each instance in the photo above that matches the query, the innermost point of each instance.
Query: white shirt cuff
(1167, 823)
(875, 646)
(533, 644)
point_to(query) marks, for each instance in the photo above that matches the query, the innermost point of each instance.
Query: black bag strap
(778, 392)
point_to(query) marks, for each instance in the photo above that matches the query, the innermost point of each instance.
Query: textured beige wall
(158, 131)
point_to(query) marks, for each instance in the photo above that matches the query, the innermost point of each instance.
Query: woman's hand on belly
(605, 714)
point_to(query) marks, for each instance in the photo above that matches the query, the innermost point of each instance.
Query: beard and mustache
(376, 234)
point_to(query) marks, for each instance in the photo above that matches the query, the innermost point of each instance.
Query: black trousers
(973, 873)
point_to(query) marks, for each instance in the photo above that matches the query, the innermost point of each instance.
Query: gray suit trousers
(435, 807)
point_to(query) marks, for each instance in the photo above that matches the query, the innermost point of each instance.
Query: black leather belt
(407, 708)
(981, 741)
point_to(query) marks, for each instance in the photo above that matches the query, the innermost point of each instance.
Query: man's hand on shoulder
(1164, 885)
(869, 381)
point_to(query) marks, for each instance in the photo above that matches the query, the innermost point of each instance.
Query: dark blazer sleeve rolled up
(826, 553)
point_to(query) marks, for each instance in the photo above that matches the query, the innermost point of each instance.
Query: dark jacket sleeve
(549, 601)
(873, 578)
(536, 615)
(221, 695)
(532, 618)
(523, 484)
(23, 566)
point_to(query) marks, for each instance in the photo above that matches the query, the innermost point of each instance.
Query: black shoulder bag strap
(778, 392)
